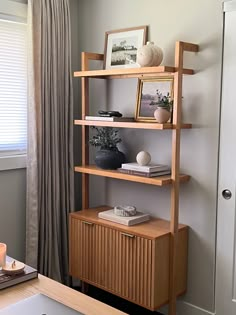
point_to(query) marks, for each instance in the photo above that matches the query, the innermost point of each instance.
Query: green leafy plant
(105, 137)
(163, 101)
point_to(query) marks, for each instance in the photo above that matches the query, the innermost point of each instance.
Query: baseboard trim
(184, 308)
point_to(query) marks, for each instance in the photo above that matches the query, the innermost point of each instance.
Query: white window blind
(13, 88)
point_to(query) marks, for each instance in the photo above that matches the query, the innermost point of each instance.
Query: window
(13, 84)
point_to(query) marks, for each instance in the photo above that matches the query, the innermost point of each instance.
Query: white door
(226, 221)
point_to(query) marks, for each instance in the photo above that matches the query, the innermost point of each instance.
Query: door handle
(128, 235)
(226, 193)
(88, 223)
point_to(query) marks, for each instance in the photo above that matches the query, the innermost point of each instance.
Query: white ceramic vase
(149, 55)
(162, 115)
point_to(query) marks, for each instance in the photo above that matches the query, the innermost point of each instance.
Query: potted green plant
(108, 157)
(164, 107)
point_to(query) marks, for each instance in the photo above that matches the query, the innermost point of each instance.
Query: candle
(3, 252)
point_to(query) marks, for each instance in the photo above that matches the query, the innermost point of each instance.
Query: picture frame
(121, 47)
(147, 94)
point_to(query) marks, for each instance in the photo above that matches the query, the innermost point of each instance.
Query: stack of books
(150, 170)
(8, 279)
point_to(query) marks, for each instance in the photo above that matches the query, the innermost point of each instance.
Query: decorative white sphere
(149, 55)
(143, 158)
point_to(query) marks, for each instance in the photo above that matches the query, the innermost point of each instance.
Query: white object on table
(3, 253)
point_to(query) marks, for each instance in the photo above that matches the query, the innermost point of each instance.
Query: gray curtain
(50, 183)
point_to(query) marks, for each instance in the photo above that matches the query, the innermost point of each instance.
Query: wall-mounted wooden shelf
(157, 181)
(130, 73)
(135, 125)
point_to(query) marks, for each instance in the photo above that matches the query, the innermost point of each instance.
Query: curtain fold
(50, 183)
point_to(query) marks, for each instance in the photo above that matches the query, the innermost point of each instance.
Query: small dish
(13, 267)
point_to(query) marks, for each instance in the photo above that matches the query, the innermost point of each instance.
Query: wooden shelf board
(130, 72)
(158, 181)
(137, 125)
(150, 229)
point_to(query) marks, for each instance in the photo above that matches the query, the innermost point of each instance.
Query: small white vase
(149, 55)
(162, 115)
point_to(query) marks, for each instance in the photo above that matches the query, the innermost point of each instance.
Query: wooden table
(57, 291)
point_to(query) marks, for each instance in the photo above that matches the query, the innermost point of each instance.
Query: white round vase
(162, 115)
(149, 55)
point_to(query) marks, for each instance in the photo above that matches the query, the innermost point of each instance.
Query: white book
(144, 174)
(135, 219)
(102, 118)
(150, 168)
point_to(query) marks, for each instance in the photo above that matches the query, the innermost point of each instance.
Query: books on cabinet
(8, 280)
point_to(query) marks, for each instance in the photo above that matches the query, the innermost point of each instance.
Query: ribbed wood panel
(135, 269)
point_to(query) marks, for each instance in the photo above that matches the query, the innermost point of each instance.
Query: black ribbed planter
(108, 159)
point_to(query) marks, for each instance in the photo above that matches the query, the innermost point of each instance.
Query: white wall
(199, 22)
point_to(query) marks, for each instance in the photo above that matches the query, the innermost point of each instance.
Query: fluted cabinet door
(136, 268)
(82, 250)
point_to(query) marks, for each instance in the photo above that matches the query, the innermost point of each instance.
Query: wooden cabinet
(131, 262)
(147, 263)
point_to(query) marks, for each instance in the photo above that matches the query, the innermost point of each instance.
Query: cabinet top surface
(150, 229)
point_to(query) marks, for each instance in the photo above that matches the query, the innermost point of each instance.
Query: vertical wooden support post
(180, 47)
(85, 131)
(175, 174)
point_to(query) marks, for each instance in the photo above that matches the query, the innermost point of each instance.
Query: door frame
(228, 6)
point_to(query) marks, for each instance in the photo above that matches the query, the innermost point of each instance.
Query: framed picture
(148, 94)
(121, 47)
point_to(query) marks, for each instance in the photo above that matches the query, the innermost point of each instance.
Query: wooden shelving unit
(90, 236)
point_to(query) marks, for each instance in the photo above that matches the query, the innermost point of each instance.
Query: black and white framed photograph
(121, 47)
(152, 93)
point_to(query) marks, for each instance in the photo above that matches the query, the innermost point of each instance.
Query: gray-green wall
(12, 211)
(199, 22)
